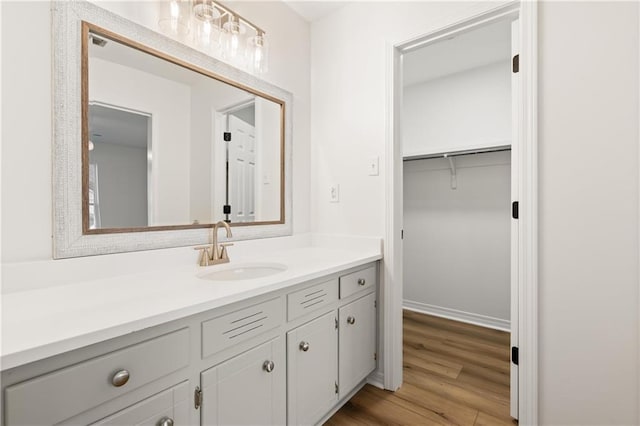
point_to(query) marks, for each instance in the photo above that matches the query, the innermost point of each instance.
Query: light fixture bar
(239, 17)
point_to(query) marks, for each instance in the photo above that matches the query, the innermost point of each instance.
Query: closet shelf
(455, 153)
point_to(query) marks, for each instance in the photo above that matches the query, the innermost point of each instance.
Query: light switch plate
(374, 164)
(334, 193)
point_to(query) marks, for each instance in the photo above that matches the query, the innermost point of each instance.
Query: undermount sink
(243, 271)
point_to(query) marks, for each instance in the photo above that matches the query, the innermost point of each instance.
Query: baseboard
(454, 314)
(376, 379)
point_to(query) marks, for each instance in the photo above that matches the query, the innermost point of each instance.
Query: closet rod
(458, 153)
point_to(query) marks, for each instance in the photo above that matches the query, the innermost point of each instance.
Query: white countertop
(47, 321)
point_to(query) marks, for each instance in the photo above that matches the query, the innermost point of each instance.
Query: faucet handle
(223, 250)
(205, 256)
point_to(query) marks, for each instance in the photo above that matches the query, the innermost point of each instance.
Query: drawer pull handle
(304, 346)
(361, 281)
(351, 320)
(165, 421)
(120, 378)
(268, 366)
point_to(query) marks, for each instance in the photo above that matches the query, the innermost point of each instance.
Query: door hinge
(515, 210)
(375, 303)
(336, 320)
(226, 209)
(336, 383)
(227, 136)
(197, 397)
(402, 234)
(514, 355)
(375, 356)
(515, 66)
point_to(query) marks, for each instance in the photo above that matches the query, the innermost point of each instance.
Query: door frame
(392, 280)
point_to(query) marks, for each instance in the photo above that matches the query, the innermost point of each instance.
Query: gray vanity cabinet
(248, 389)
(357, 335)
(312, 367)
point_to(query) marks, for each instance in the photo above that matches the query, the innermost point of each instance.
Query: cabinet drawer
(170, 404)
(357, 281)
(57, 396)
(311, 299)
(230, 329)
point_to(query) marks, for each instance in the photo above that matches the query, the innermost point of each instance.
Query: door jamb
(528, 222)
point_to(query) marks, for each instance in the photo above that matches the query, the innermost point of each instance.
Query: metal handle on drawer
(120, 378)
(165, 421)
(351, 320)
(268, 366)
(361, 281)
(304, 346)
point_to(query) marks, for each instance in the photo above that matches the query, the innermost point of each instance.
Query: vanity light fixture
(217, 31)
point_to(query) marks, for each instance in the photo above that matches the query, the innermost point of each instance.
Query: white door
(312, 370)
(516, 114)
(247, 389)
(357, 342)
(242, 170)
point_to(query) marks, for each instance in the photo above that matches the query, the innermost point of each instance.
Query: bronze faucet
(215, 253)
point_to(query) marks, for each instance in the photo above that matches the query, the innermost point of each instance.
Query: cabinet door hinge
(197, 397)
(515, 355)
(336, 383)
(516, 64)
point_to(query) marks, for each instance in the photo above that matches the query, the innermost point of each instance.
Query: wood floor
(454, 374)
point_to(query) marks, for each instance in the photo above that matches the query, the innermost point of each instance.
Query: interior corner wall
(457, 242)
(459, 111)
(350, 105)
(27, 110)
(588, 213)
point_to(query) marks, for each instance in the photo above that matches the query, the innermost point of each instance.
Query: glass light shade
(205, 10)
(231, 41)
(258, 54)
(206, 35)
(175, 17)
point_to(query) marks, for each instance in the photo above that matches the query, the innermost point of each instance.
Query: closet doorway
(457, 133)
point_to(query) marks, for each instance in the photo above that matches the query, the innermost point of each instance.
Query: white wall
(465, 110)
(268, 194)
(169, 104)
(122, 184)
(26, 113)
(457, 241)
(588, 180)
(588, 213)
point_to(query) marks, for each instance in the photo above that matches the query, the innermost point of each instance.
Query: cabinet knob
(304, 346)
(120, 378)
(165, 421)
(361, 281)
(351, 320)
(268, 366)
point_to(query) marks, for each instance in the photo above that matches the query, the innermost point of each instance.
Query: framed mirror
(155, 141)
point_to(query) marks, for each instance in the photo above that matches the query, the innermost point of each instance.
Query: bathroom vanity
(290, 349)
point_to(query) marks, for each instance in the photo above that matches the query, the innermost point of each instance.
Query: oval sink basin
(246, 271)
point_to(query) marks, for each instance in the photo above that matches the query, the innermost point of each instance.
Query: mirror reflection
(167, 146)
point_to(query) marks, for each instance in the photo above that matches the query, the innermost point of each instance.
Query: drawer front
(170, 406)
(311, 299)
(357, 281)
(230, 329)
(57, 396)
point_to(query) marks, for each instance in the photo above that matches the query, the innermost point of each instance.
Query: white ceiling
(313, 10)
(483, 46)
(115, 126)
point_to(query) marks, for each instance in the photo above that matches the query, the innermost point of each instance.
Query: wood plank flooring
(454, 374)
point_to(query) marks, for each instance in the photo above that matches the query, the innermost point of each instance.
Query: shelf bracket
(452, 165)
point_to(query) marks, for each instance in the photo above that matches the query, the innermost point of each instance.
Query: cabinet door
(248, 389)
(168, 407)
(357, 342)
(312, 370)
